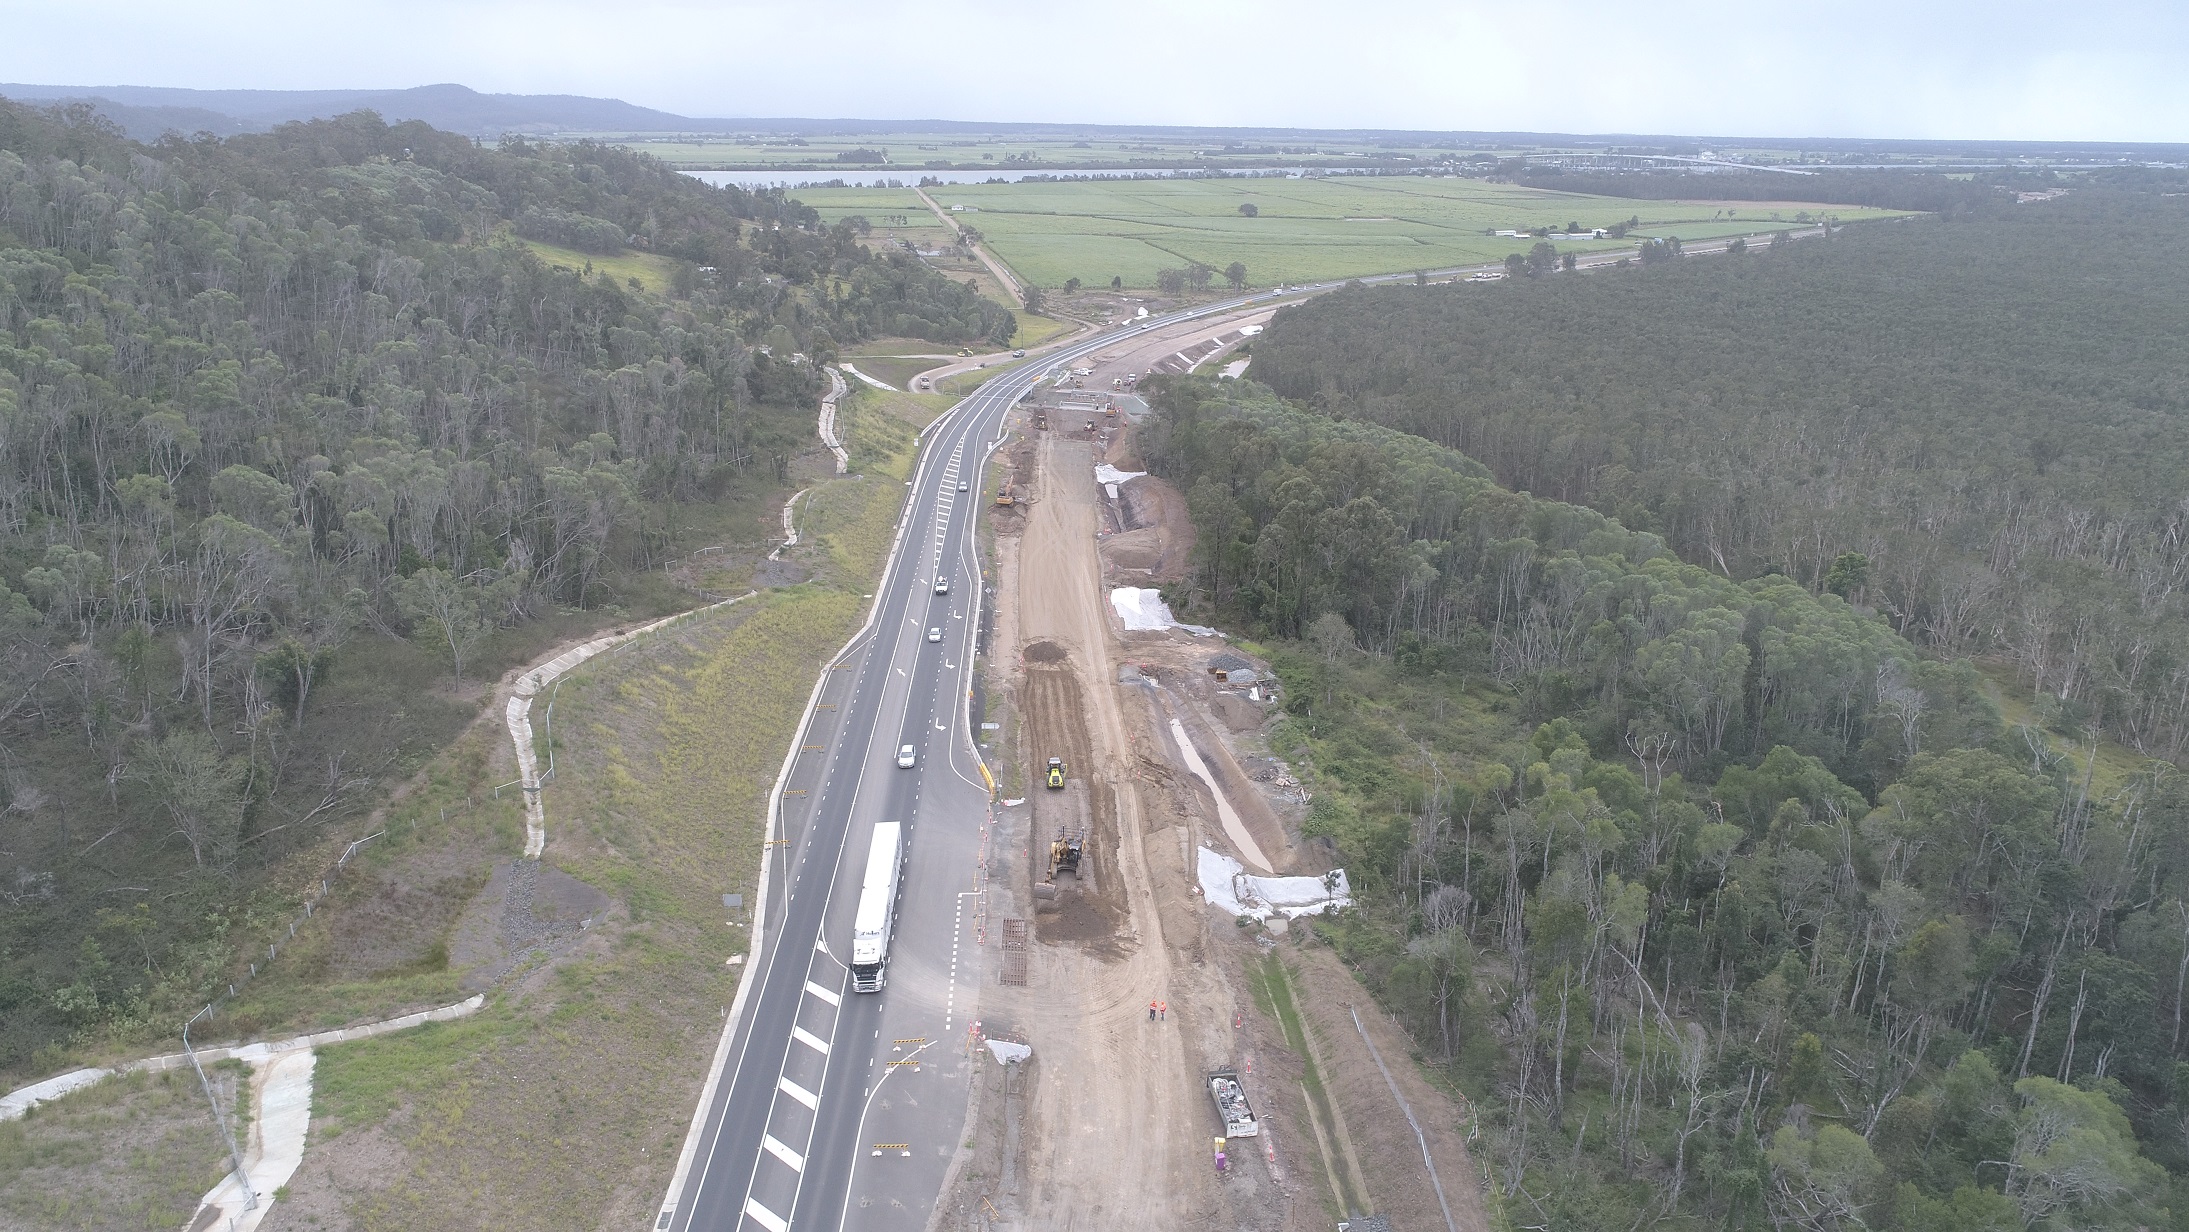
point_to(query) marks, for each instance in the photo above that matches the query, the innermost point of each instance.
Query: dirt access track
(1109, 1125)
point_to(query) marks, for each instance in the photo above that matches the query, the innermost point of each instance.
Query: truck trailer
(877, 916)
(1231, 1104)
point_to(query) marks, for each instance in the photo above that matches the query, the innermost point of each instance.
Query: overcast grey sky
(2093, 70)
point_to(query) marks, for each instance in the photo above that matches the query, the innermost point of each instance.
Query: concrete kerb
(790, 525)
(517, 714)
(21, 1100)
(826, 427)
(281, 1084)
(753, 953)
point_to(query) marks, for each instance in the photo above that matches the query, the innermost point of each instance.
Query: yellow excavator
(1065, 851)
(1056, 773)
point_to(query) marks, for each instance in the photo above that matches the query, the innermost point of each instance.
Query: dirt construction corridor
(1109, 1125)
(1111, 1115)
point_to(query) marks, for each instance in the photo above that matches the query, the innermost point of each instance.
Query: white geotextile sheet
(1109, 477)
(1142, 609)
(1006, 1051)
(1226, 884)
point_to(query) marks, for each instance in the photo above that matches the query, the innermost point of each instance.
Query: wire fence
(273, 951)
(326, 887)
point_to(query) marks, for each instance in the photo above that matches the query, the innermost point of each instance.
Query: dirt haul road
(1115, 1126)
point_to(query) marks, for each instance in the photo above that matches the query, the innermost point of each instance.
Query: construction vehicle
(1056, 773)
(1005, 496)
(1065, 851)
(1231, 1104)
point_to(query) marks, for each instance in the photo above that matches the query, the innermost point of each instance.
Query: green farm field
(1306, 230)
(873, 204)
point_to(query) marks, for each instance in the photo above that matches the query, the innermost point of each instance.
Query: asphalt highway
(837, 1109)
(834, 1109)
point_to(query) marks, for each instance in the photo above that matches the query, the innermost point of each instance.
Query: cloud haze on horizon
(2014, 69)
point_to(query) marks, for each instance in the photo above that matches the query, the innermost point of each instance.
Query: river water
(906, 177)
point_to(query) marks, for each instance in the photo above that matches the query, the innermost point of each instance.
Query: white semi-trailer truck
(877, 916)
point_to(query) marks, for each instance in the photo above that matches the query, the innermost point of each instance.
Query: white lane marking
(766, 1218)
(823, 993)
(796, 1161)
(810, 1040)
(799, 1093)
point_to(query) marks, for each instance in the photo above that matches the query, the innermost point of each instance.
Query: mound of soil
(1135, 550)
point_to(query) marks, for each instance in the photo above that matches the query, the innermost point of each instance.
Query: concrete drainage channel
(281, 1102)
(519, 715)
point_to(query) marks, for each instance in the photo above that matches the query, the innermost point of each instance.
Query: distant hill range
(145, 112)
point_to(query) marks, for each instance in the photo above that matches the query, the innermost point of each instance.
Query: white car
(964, 487)
(905, 757)
(942, 586)
(934, 635)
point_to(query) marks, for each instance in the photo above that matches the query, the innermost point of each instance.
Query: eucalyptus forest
(294, 426)
(1747, 693)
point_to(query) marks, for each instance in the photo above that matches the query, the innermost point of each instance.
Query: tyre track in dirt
(1116, 1128)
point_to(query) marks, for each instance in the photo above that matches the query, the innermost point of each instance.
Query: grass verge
(136, 1151)
(564, 1102)
(1272, 989)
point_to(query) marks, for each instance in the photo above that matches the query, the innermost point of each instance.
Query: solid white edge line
(777, 1148)
(823, 993)
(754, 953)
(690, 1152)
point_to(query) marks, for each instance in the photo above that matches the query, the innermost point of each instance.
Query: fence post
(235, 1157)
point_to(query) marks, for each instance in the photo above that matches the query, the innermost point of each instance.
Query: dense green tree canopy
(267, 400)
(1971, 426)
